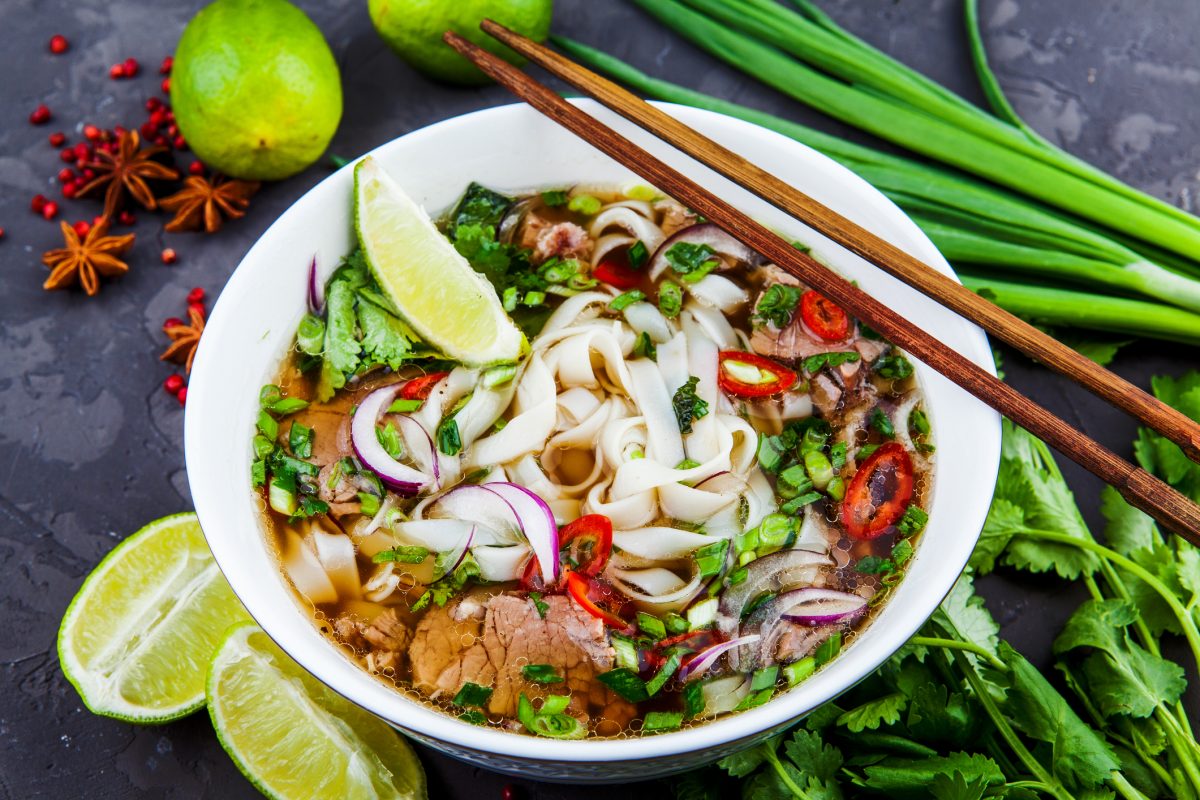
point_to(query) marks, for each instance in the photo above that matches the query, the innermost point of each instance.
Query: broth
(688, 587)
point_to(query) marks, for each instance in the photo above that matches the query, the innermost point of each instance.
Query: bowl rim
(203, 452)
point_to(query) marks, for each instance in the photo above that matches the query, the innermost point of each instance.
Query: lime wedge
(136, 640)
(293, 737)
(450, 305)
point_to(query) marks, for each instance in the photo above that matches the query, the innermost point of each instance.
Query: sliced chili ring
(750, 375)
(590, 594)
(824, 317)
(419, 388)
(586, 543)
(879, 492)
(615, 270)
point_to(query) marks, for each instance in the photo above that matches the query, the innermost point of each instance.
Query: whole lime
(414, 28)
(255, 89)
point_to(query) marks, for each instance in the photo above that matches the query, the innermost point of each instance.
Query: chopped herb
(688, 463)
(550, 721)
(692, 261)
(541, 605)
(837, 456)
(894, 366)
(472, 695)
(554, 198)
(448, 440)
(710, 559)
(918, 423)
(405, 406)
(510, 299)
(737, 576)
(670, 299)
(404, 554)
(814, 364)
(558, 270)
(693, 699)
(802, 247)
(625, 651)
(626, 683)
(675, 623)
(796, 503)
(902, 552)
(622, 301)
(389, 437)
(866, 450)
(309, 507)
(268, 395)
(534, 298)
(473, 717)
(369, 503)
(263, 446)
(258, 473)
(688, 405)
(777, 305)
(584, 204)
(310, 335)
(479, 206)
(267, 425)
(498, 376)
(287, 405)
(764, 678)
(797, 671)
(874, 565)
(651, 625)
(644, 347)
(637, 254)
(757, 603)
(540, 673)
(771, 451)
(664, 673)
(828, 649)
(881, 422)
(755, 699)
(656, 721)
(913, 521)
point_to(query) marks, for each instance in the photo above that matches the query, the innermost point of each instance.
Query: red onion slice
(702, 233)
(771, 573)
(316, 290)
(502, 506)
(426, 456)
(537, 522)
(706, 659)
(816, 607)
(462, 553)
(400, 477)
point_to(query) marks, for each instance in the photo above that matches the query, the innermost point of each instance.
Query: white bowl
(515, 148)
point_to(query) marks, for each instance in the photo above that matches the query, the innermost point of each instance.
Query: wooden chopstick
(1012, 330)
(1141, 489)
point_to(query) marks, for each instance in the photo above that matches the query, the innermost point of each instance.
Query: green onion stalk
(808, 57)
(971, 222)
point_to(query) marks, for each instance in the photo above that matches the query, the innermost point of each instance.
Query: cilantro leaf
(742, 764)
(1081, 758)
(341, 354)
(884, 710)
(777, 305)
(1122, 678)
(384, 338)
(964, 613)
(692, 261)
(936, 714)
(907, 777)
(957, 787)
(809, 752)
(688, 405)
(479, 206)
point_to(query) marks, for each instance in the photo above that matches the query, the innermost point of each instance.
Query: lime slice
(450, 305)
(137, 638)
(293, 737)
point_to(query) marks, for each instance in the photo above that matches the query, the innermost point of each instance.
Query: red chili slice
(419, 388)
(879, 492)
(824, 317)
(781, 378)
(616, 270)
(587, 543)
(592, 596)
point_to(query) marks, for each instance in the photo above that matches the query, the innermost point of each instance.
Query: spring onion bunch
(985, 230)
(809, 57)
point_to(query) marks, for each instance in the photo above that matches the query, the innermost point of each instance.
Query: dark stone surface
(91, 447)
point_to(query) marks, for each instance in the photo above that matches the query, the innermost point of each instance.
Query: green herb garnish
(688, 405)
(540, 673)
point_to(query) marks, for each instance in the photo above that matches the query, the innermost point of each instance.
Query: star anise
(83, 261)
(184, 339)
(127, 170)
(202, 203)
